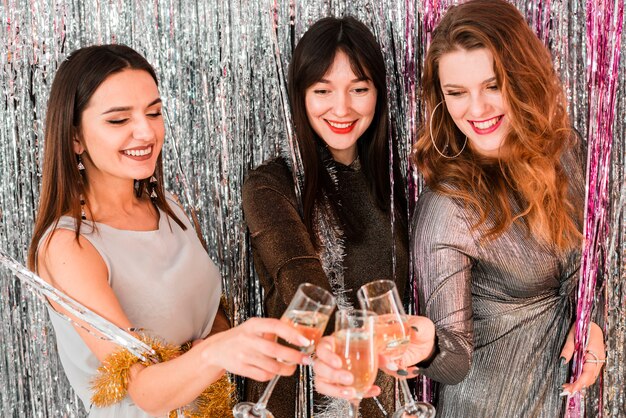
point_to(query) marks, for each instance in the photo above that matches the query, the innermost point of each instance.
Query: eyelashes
(121, 121)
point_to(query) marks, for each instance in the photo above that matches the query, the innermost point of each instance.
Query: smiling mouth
(487, 126)
(138, 153)
(341, 127)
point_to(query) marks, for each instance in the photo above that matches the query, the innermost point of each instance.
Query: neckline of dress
(107, 226)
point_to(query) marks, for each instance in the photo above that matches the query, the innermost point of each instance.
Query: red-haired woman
(498, 231)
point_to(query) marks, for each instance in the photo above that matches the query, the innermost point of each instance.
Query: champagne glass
(355, 343)
(308, 312)
(392, 333)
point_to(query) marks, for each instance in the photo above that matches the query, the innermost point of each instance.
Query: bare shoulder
(65, 260)
(75, 267)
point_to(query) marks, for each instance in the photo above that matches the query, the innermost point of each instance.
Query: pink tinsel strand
(604, 28)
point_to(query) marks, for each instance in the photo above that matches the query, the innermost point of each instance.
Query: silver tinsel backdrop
(221, 66)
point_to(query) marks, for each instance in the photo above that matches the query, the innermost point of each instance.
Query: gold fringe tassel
(110, 384)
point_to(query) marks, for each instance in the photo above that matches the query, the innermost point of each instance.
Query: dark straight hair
(311, 59)
(76, 80)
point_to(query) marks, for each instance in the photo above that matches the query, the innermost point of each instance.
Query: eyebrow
(456, 86)
(127, 108)
(355, 80)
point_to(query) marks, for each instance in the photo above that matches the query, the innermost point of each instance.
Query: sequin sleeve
(443, 249)
(284, 254)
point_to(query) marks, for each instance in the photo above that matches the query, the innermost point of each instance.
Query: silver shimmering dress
(502, 310)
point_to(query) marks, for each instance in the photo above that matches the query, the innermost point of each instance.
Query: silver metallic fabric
(502, 309)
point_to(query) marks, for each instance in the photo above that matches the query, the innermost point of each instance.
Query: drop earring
(153, 186)
(81, 171)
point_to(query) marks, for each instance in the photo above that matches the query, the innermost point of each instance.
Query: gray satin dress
(165, 282)
(502, 310)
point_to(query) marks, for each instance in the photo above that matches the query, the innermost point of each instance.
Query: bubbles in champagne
(392, 335)
(310, 324)
(357, 349)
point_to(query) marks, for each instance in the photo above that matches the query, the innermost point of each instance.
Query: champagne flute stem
(261, 405)
(409, 403)
(354, 408)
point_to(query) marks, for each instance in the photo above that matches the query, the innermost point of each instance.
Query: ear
(77, 145)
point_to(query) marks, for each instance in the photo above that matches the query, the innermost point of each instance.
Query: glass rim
(315, 287)
(393, 287)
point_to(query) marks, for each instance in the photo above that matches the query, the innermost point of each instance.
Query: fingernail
(562, 361)
(304, 342)
(415, 372)
(565, 393)
(347, 392)
(391, 366)
(414, 328)
(402, 372)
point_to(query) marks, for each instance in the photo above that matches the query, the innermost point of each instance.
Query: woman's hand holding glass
(307, 314)
(421, 347)
(392, 331)
(332, 379)
(251, 354)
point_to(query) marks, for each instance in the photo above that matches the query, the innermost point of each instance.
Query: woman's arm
(279, 237)
(442, 246)
(76, 268)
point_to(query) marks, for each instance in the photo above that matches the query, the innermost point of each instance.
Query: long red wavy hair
(539, 134)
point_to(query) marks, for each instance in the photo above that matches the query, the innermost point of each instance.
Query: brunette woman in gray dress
(112, 238)
(497, 233)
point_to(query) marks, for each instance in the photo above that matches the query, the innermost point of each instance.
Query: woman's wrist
(208, 360)
(433, 354)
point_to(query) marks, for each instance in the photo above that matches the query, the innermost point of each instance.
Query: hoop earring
(432, 138)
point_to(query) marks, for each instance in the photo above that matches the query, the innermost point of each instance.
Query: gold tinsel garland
(110, 384)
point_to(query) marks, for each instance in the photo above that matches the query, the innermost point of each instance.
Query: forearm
(163, 387)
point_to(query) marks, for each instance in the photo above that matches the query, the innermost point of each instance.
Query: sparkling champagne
(357, 350)
(309, 324)
(392, 335)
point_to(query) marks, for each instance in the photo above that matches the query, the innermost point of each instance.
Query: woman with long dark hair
(340, 235)
(111, 237)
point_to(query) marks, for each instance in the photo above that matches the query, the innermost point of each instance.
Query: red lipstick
(340, 130)
(488, 130)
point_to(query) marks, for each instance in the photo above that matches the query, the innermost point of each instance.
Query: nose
(479, 106)
(143, 129)
(341, 105)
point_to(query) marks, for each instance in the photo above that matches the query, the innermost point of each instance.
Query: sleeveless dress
(166, 284)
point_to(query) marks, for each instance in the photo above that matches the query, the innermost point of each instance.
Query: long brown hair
(539, 134)
(311, 59)
(76, 80)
